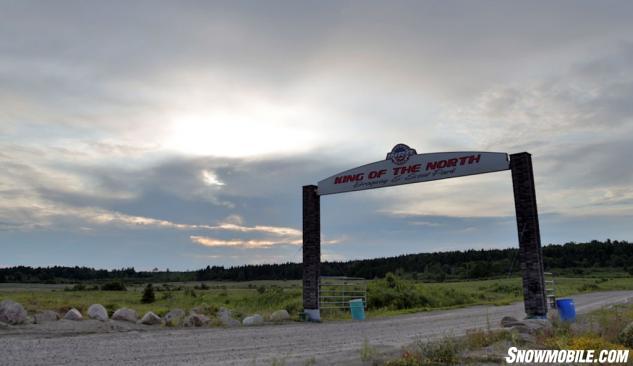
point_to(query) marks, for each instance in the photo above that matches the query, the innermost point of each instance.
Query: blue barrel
(357, 308)
(566, 309)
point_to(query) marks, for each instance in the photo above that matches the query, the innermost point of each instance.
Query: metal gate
(336, 292)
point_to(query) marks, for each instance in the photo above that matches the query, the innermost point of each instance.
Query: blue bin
(357, 308)
(566, 309)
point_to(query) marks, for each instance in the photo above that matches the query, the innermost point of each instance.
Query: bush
(294, 306)
(593, 342)
(480, 338)
(113, 286)
(76, 287)
(81, 287)
(190, 292)
(407, 359)
(202, 286)
(444, 351)
(367, 352)
(148, 294)
(111, 308)
(394, 293)
(588, 287)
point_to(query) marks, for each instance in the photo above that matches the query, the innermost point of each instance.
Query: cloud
(211, 179)
(252, 243)
(424, 223)
(281, 231)
(219, 112)
(260, 243)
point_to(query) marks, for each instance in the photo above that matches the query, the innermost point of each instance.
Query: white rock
(225, 317)
(46, 316)
(253, 320)
(196, 320)
(201, 310)
(73, 314)
(174, 317)
(125, 314)
(12, 313)
(151, 319)
(280, 316)
(97, 311)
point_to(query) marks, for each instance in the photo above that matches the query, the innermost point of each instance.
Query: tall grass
(387, 296)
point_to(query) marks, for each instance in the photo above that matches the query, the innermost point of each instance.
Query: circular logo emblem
(400, 154)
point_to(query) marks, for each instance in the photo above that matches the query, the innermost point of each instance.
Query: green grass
(244, 297)
(235, 296)
(503, 291)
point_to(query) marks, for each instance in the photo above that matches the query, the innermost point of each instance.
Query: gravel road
(329, 343)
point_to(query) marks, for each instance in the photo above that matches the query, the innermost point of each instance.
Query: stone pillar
(530, 253)
(311, 252)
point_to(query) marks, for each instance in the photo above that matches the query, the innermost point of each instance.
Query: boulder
(151, 319)
(526, 338)
(196, 320)
(4, 326)
(125, 314)
(226, 318)
(253, 320)
(535, 325)
(626, 335)
(12, 313)
(174, 317)
(508, 322)
(202, 309)
(73, 314)
(280, 316)
(46, 316)
(98, 312)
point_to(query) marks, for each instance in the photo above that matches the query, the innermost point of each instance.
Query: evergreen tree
(148, 294)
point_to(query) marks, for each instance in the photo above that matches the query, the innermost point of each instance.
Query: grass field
(264, 297)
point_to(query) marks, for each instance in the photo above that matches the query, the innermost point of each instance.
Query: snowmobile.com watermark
(548, 356)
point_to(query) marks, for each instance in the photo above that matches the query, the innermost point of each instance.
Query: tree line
(570, 258)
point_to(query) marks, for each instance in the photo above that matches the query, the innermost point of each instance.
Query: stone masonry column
(530, 254)
(311, 252)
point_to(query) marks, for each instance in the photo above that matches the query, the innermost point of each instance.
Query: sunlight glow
(253, 129)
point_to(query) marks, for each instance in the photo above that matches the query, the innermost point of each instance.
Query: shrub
(111, 308)
(294, 306)
(394, 293)
(76, 287)
(407, 359)
(148, 294)
(588, 287)
(202, 286)
(113, 286)
(481, 338)
(593, 342)
(190, 292)
(367, 352)
(444, 351)
(626, 336)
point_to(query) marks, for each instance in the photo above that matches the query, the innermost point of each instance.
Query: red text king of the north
(415, 168)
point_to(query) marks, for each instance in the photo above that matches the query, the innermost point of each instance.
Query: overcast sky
(178, 134)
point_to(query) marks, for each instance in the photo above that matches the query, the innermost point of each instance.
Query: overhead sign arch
(403, 165)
